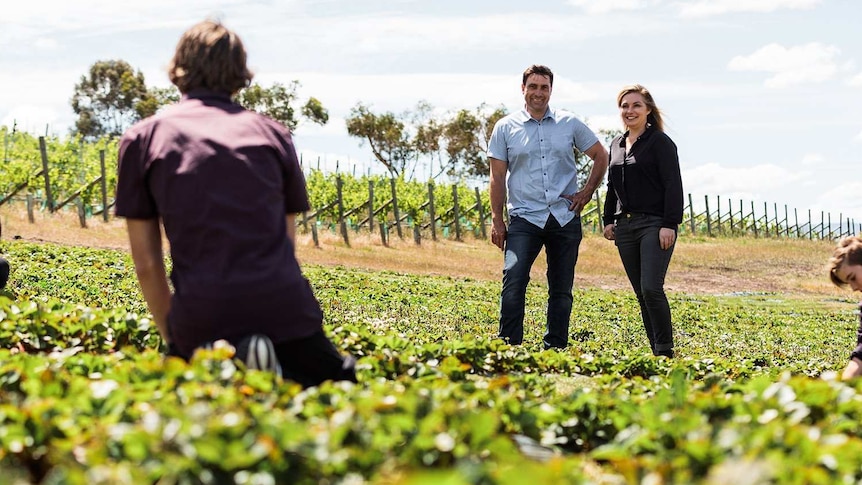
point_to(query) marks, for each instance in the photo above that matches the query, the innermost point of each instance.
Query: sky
(762, 97)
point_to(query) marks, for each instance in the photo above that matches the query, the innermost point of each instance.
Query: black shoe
(664, 353)
(257, 352)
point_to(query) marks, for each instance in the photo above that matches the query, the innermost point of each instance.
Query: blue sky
(761, 96)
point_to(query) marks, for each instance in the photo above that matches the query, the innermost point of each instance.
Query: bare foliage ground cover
(86, 396)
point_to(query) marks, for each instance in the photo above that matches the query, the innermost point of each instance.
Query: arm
(853, 369)
(600, 166)
(498, 198)
(668, 166)
(145, 240)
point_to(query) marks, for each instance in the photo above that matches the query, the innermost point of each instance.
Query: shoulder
(566, 116)
(662, 139)
(511, 119)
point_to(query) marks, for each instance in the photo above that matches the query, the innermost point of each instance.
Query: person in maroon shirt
(226, 184)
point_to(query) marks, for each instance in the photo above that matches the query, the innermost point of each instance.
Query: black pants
(646, 264)
(308, 361)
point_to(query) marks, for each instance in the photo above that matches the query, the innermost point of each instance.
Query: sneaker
(257, 352)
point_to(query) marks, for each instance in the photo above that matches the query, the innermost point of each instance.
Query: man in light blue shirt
(532, 159)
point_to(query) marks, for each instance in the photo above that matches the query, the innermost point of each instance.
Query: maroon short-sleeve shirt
(222, 179)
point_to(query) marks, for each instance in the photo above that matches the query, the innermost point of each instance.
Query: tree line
(113, 95)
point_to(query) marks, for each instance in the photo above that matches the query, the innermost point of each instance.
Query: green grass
(85, 396)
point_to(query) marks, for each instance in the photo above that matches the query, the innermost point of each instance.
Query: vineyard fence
(347, 205)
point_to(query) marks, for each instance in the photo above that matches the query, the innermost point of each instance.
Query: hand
(610, 232)
(498, 234)
(666, 237)
(578, 200)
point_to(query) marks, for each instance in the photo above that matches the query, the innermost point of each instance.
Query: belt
(629, 215)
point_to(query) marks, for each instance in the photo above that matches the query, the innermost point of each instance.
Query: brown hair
(654, 118)
(540, 70)
(212, 57)
(849, 251)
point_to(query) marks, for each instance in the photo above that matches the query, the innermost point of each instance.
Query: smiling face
(537, 93)
(850, 274)
(634, 111)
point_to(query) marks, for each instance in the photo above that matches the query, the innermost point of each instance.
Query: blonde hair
(654, 118)
(209, 56)
(848, 251)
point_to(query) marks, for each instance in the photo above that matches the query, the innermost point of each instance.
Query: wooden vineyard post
(482, 213)
(432, 211)
(708, 219)
(691, 214)
(44, 152)
(104, 185)
(370, 206)
(718, 213)
(82, 213)
(342, 224)
(30, 216)
(456, 212)
(753, 219)
(730, 215)
(395, 211)
(383, 234)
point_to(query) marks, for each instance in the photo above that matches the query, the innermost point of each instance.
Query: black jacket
(647, 180)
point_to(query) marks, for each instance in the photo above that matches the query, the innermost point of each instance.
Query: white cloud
(842, 199)
(606, 6)
(706, 8)
(859, 136)
(747, 182)
(603, 122)
(813, 159)
(809, 63)
(855, 80)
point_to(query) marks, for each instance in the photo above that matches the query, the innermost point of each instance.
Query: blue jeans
(645, 262)
(523, 243)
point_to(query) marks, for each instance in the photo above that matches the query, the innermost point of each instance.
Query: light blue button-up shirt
(541, 162)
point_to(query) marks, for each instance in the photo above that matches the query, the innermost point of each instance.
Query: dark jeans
(523, 243)
(646, 266)
(308, 361)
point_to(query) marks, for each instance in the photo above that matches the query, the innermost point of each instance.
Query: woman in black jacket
(643, 208)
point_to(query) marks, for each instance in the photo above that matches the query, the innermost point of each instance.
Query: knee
(653, 293)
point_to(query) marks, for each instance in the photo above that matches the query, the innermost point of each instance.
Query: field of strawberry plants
(86, 396)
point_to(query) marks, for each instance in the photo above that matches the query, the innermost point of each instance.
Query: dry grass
(700, 265)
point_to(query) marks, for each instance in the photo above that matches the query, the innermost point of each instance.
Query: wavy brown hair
(209, 56)
(654, 118)
(849, 251)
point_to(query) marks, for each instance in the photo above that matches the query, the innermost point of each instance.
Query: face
(537, 93)
(850, 274)
(634, 111)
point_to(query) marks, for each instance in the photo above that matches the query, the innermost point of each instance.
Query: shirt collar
(201, 93)
(525, 115)
(646, 134)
